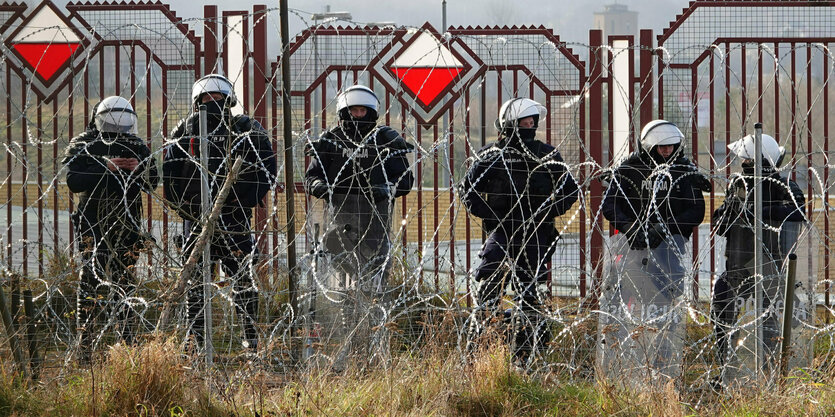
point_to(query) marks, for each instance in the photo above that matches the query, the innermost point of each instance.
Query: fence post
(597, 60)
(259, 85)
(647, 79)
(209, 39)
(289, 176)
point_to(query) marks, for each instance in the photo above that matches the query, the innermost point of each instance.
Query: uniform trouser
(234, 250)
(106, 264)
(522, 262)
(731, 289)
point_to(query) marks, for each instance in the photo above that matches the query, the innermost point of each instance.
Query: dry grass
(156, 379)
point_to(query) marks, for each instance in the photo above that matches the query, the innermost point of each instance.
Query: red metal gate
(147, 52)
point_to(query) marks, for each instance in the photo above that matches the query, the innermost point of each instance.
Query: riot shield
(761, 328)
(641, 331)
(801, 240)
(349, 279)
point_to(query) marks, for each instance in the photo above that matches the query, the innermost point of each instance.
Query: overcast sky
(569, 19)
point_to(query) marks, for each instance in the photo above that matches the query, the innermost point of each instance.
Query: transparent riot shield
(348, 284)
(797, 238)
(753, 355)
(641, 331)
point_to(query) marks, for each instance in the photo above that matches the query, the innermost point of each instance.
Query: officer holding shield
(782, 207)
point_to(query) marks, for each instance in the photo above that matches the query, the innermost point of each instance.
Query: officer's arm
(86, 172)
(694, 211)
(615, 203)
(471, 191)
(565, 188)
(315, 177)
(147, 170)
(789, 207)
(259, 171)
(172, 166)
(724, 216)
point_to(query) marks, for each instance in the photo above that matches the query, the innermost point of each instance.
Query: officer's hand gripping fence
(427, 234)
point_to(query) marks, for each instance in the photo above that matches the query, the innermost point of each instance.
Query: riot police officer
(517, 186)
(782, 204)
(232, 244)
(655, 196)
(358, 168)
(654, 200)
(109, 168)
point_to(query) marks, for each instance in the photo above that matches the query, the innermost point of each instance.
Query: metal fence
(712, 72)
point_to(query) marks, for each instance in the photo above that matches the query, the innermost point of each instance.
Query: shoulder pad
(78, 143)
(631, 161)
(180, 129)
(389, 137)
(242, 123)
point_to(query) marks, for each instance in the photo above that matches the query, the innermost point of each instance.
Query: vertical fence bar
(54, 180)
(583, 174)
(209, 40)
(647, 80)
(712, 136)
(467, 233)
(420, 209)
(451, 210)
(694, 103)
(259, 85)
(777, 92)
(794, 111)
(727, 62)
(9, 202)
(595, 141)
(759, 82)
(825, 191)
(70, 130)
(25, 178)
(39, 176)
(435, 210)
(744, 85)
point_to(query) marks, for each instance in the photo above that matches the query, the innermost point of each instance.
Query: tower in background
(616, 19)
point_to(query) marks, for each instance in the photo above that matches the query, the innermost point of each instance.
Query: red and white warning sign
(45, 42)
(426, 67)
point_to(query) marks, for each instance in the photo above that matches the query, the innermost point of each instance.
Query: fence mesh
(444, 216)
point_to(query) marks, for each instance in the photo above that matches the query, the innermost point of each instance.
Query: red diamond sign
(45, 42)
(428, 71)
(426, 67)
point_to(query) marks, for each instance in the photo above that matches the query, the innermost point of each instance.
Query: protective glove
(637, 236)
(655, 235)
(701, 182)
(319, 189)
(380, 192)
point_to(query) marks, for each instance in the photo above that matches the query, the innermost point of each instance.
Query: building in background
(616, 19)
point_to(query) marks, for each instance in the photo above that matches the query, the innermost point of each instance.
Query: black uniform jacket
(667, 193)
(355, 165)
(516, 184)
(108, 200)
(181, 173)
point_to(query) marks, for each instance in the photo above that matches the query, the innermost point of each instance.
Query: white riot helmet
(660, 132)
(214, 83)
(114, 114)
(772, 152)
(358, 95)
(519, 108)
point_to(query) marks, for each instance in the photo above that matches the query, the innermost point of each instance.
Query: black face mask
(215, 110)
(748, 167)
(527, 135)
(357, 128)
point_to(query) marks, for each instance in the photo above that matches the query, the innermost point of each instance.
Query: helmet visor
(116, 121)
